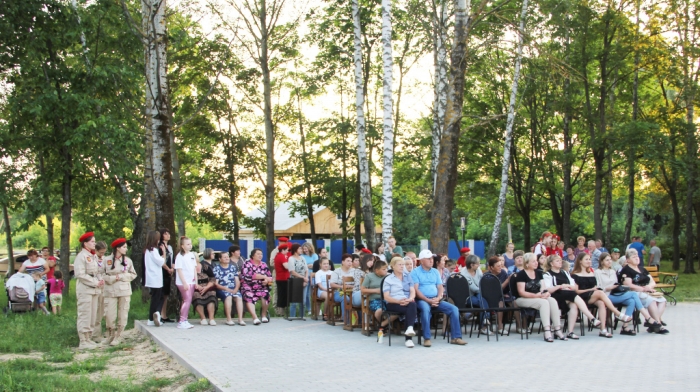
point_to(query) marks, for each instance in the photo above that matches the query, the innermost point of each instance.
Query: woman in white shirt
(607, 280)
(298, 269)
(153, 262)
(186, 273)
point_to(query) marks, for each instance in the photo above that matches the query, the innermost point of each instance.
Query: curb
(198, 373)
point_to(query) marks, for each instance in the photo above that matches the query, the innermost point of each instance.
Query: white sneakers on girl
(409, 344)
(203, 322)
(184, 325)
(212, 322)
(256, 322)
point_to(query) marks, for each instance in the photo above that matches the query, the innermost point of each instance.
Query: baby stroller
(20, 293)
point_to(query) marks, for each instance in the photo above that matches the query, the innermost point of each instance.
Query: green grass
(200, 385)
(56, 338)
(687, 286)
(89, 365)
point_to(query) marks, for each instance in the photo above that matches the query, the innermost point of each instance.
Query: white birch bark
(365, 190)
(157, 109)
(509, 135)
(440, 86)
(388, 123)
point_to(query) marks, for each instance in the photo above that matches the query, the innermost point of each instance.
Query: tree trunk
(567, 196)
(8, 240)
(305, 168)
(691, 162)
(47, 204)
(631, 167)
(440, 88)
(177, 183)
(446, 179)
(676, 230)
(509, 136)
(388, 125)
(66, 214)
(158, 113)
(365, 188)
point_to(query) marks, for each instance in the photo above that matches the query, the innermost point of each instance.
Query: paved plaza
(312, 356)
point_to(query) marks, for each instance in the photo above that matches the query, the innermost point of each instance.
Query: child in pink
(56, 292)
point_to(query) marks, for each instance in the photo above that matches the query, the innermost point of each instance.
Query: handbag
(620, 289)
(532, 286)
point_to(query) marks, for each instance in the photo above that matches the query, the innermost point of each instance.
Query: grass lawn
(687, 286)
(38, 353)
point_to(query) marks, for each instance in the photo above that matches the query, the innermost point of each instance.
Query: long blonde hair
(182, 239)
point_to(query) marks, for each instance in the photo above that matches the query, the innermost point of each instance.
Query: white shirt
(154, 264)
(321, 278)
(187, 264)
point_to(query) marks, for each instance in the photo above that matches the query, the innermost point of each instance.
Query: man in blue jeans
(429, 295)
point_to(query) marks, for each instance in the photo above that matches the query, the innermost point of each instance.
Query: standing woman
(89, 283)
(298, 269)
(168, 272)
(100, 250)
(310, 256)
(282, 269)
(119, 273)
(153, 264)
(508, 257)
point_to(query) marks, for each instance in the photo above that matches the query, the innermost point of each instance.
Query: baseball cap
(425, 254)
(615, 250)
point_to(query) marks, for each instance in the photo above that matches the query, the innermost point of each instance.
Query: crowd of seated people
(553, 280)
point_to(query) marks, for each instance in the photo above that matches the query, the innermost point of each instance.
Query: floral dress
(226, 277)
(254, 289)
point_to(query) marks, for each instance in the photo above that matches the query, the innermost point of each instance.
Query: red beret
(283, 239)
(365, 250)
(86, 236)
(118, 242)
(464, 250)
(283, 246)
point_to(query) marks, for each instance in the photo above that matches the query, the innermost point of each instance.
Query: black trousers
(156, 301)
(409, 310)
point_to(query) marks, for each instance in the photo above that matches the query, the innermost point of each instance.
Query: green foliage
(89, 365)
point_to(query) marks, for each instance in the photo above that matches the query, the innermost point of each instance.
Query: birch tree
(439, 25)
(446, 174)
(365, 189)
(388, 123)
(509, 134)
(158, 111)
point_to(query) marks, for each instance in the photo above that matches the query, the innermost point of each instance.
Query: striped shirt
(37, 266)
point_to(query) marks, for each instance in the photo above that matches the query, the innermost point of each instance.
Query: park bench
(665, 282)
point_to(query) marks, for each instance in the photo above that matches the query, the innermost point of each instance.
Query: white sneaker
(380, 337)
(256, 322)
(203, 322)
(409, 343)
(156, 318)
(183, 325)
(410, 332)
(151, 323)
(212, 322)
(188, 324)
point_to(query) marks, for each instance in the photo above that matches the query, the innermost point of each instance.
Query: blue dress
(226, 277)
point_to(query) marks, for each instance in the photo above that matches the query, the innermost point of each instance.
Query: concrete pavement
(310, 355)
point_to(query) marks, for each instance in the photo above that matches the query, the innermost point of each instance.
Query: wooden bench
(665, 282)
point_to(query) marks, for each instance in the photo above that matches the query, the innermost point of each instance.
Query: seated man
(429, 291)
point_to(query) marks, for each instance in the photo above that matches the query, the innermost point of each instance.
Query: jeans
(479, 302)
(339, 298)
(630, 299)
(444, 307)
